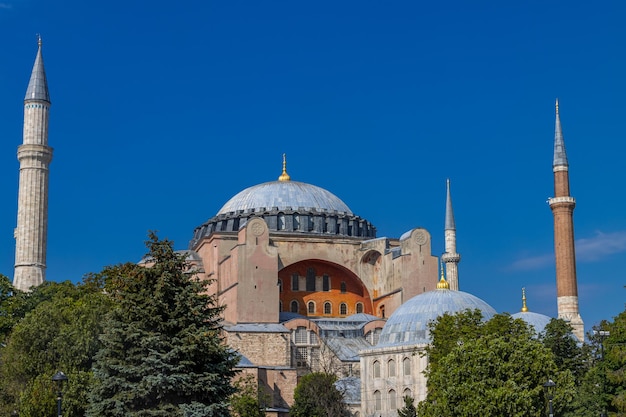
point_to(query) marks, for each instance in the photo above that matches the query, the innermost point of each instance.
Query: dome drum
(304, 221)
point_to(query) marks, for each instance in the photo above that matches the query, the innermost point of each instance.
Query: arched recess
(328, 287)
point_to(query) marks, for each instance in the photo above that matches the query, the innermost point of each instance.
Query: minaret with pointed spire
(562, 206)
(34, 156)
(450, 257)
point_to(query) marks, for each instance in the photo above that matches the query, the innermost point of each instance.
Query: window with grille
(327, 308)
(359, 308)
(301, 336)
(294, 306)
(343, 309)
(343, 287)
(302, 357)
(311, 307)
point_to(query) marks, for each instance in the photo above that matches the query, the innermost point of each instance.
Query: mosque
(307, 283)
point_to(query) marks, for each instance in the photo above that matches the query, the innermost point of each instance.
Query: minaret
(32, 208)
(562, 206)
(450, 257)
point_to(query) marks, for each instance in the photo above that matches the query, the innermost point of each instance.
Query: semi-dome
(409, 323)
(285, 195)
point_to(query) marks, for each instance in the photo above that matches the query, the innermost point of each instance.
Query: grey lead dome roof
(285, 195)
(409, 323)
(538, 321)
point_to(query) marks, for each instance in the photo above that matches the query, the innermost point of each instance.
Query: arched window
(343, 309)
(311, 307)
(382, 311)
(378, 404)
(392, 399)
(343, 287)
(407, 393)
(280, 285)
(406, 366)
(328, 308)
(359, 308)
(294, 306)
(295, 282)
(391, 368)
(281, 221)
(376, 367)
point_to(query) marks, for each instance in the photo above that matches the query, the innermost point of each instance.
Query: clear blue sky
(161, 111)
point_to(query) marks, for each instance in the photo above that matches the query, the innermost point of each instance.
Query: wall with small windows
(387, 375)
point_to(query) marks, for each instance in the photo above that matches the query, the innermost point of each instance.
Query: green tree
(316, 396)
(248, 400)
(558, 337)
(59, 329)
(162, 351)
(613, 365)
(409, 409)
(493, 369)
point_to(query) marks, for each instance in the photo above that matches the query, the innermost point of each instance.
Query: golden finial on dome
(442, 284)
(524, 308)
(284, 176)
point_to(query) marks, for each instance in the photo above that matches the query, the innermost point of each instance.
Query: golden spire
(524, 308)
(442, 284)
(284, 176)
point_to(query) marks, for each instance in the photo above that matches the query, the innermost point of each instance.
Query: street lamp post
(602, 334)
(549, 390)
(59, 378)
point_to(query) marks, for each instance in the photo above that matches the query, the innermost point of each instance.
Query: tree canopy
(491, 369)
(317, 396)
(162, 352)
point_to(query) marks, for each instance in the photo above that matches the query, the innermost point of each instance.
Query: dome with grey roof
(409, 323)
(285, 195)
(538, 321)
(287, 207)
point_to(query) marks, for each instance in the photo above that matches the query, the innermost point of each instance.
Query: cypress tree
(162, 351)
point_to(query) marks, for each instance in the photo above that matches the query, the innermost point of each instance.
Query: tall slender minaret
(450, 257)
(32, 208)
(562, 205)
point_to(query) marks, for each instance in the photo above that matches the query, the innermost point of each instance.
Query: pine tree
(409, 408)
(163, 354)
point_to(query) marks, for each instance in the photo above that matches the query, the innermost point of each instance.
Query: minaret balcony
(560, 200)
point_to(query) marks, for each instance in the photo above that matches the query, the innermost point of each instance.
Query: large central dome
(288, 207)
(285, 195)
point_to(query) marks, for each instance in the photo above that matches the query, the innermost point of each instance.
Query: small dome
(284, 195)
(409, 323)
(538, 321)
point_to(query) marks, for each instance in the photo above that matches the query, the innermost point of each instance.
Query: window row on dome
(393, 399)
(391, 368)
(35, 106)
